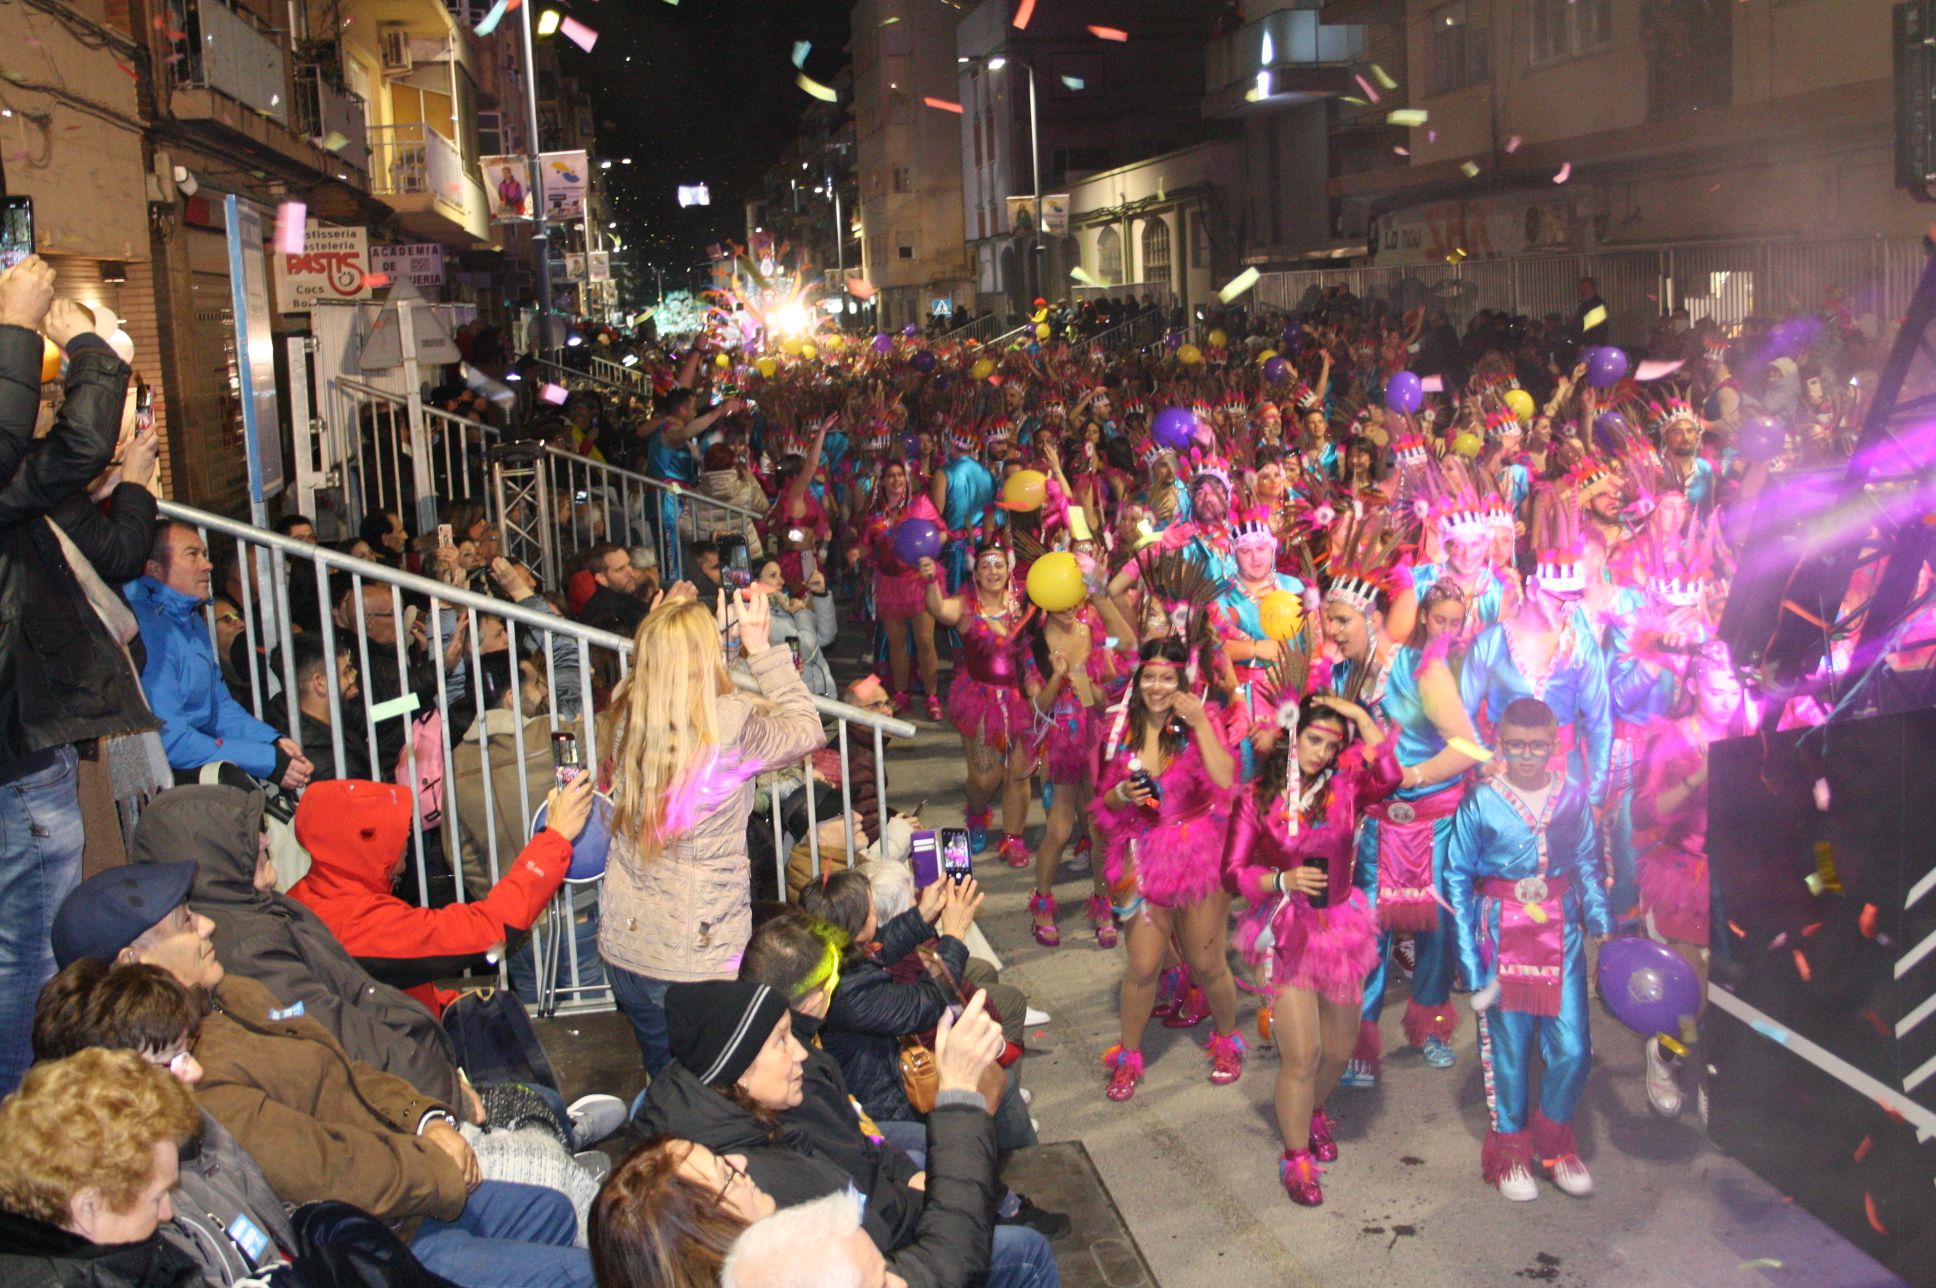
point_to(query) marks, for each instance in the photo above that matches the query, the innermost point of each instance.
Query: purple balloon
(1762, 438)
(1293, 338)
(883, 343)
(923, 361)
(910, 331)
(1276, 370)
(1404, 393)
(1647, 986)
(1173, 427)
(910, 444)
(1174, 340)
(1606, 367)
(916, 539)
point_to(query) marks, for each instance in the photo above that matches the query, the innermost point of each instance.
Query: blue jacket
(200, 721)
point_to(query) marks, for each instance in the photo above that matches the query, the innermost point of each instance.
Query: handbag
(920, 1075)
(495, 1039)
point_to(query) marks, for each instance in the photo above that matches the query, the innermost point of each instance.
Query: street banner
(563, 176)
(507, 187)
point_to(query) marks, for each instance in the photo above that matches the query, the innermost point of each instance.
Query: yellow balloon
(1281, 614)
(790, 347)
(1025, 491)
(1266, 356)
(835, 341)
(982, 369)
(1467, 444)
(1521, 404)
(1218, 339)
(1055, 582)
(808, 351)
(766, 367)
(1189, 355)
(1043, 331)
(722, 361)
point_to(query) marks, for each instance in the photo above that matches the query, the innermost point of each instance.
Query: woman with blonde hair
(677, 899)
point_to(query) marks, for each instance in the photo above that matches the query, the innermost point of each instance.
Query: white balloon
(123, 345)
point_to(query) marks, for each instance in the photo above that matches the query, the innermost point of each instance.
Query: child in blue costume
(1522, 876)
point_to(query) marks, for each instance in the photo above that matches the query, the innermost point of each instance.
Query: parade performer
(1522, 876)
(962, 492)
(1163, 806)
(900, 593)
(1464, 529)
(1309, 933)
(1237, 611)
(1401, 849)
(986, 704)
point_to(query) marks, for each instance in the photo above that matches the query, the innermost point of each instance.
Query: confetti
(1595, 316)
(376, 281)
(1239, 284)
(1074, 82)
(943, 104)
(578, 34)
(1867, 921)
(1878, 1023)
(1761, 1263)
(1431, 385)
(1777, 941)
(1869, 1207)
(889, 22)
(1431, 136)
(1384, 81)
(1022, 15)
(1470, 169)
(292, 226)
(493, 18)
(1773, 1032)
(335, 141)
(1404, 152)
(1862, 1150)
(554, 394)
(1815, 884)
(1566, 172)
(1352, 99)
(1802, 967)
(1512, 143)
(815, 88)
(1738, 932)
(1652, 369)
(1825, 867)
(1365, 85)
(1457, 256)
(1082, 275)
(801, 48)
(861, 289)
(1408, 117)
(1808, 931)
(1108, 33)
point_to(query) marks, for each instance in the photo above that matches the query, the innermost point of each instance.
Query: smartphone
(16, 230)
(443, 536)
(956, 861)
(924, 856)
(740, 557)
(739, 578)
(565, 760)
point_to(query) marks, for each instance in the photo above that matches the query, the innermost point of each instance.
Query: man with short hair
(297, 527)
(201, 720)
(313, 675)
(615, 605)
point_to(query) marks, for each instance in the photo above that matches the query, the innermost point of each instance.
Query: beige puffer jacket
(701, 522)
(684, 914)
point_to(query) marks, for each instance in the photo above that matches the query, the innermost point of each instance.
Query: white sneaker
(1028, 1097)
(595, 1117)
(1035, 1019)
(1663, 1091)
(1519, 1185)
(1571, 1176)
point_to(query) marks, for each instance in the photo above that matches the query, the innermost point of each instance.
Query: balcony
(221, 51)
(420, 174)
(324, 113)
(1306, 59)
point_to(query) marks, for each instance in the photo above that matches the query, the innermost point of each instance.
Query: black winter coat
(36, 1255)
(872, 1012)
(63, 678)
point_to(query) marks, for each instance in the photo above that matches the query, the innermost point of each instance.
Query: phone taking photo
(957, 863)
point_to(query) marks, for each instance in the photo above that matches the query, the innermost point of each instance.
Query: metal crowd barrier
(594, 501)
(376, 441)
(617, 374)
(281, 578)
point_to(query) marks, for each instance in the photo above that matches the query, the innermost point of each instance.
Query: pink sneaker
(1103, 918)
(1125, 1071)
(1226, 1058)
(1323, 1147)
(934, 710)
(1015, 851)
(1299, 1171)
(1192, 1008)
(1042, 909)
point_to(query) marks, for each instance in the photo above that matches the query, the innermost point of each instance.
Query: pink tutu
(1674, 892)
(1178, 861)
(899, 597)
(1069, 747)
(990, 713)
(1327, 951)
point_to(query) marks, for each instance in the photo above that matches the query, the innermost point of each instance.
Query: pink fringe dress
(1328, 951)
(1671, 859)
(985, 699)
(899, 591)
(1172, 855)
(1070, 740)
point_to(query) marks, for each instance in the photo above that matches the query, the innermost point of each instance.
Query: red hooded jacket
(356, 832)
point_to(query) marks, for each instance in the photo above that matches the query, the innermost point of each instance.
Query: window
(1458, 47)
(904, 245)
(1156, 252)
(1565, 27)
(1109, 257)
(903, 178)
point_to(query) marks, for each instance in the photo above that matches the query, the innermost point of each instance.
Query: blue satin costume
(1403, 712)
(1576, 690)
(1490, 839)
(1479, 613)
(1639, 692)
(1236, 605)
(971, 488)
(673, 465)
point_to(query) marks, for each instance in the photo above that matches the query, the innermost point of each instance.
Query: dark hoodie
(34, 1254)
(275, 941)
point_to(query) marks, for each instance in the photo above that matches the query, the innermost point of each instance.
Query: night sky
(698, 92)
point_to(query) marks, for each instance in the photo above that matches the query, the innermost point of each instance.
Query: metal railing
(981, 330)
(221, 50)
(620, 376)
(326, 113)
(432, 633)
(413, 158)
(377, 437)
(1141, 330)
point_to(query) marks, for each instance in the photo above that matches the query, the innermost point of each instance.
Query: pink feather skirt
(1327, 951)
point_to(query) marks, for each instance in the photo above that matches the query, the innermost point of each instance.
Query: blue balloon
(1174, 427)
(588, 852)
(1647, 986)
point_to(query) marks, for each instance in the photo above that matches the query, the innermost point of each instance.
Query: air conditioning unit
(393, 44)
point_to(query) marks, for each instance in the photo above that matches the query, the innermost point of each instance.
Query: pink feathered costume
(985, 699)
(1069, 743)
(899, 591)
(1177, 857)
(1328, 951)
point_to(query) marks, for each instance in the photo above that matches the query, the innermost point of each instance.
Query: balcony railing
(223, 52)
(325, 113)
(1289, 40)
(414, 158)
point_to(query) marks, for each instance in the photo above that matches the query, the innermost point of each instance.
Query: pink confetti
(1023, 14)
(1366, 86)
(1652, 370)
(1404, 152)
(1566, 172)
(1108, 33)
(943, 104)
(1431, 136)
(1431, 385)
(1512, 144)
(376, 281)
(553, 394)
(292, 226)
(578, 34)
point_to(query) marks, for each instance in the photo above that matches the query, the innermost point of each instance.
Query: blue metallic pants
(1565, 1048)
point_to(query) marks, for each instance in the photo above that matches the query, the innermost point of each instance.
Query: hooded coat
(272, 939)
(200, 720)
(355, 833)
(34, 1254)
(218, 1181)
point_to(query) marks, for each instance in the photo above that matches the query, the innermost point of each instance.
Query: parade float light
(791, 318)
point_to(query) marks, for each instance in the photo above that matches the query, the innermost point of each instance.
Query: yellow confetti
(1537, 913)
(1595, 316)
(1761, 1263)
(1384, 81)
(1470, 169)
(815, 88)
(1082, 275)
(1408, 117)
(1239, 284)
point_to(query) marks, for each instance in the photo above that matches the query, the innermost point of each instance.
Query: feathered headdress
(1358, 566)
(1558, 549)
